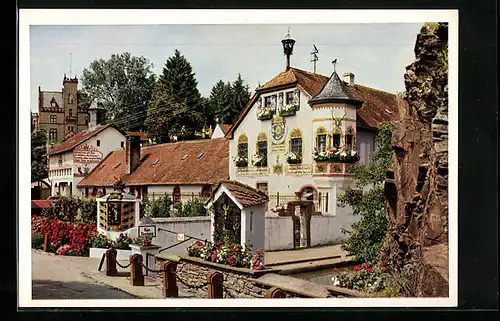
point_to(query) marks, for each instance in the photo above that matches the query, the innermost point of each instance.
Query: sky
(377, 54)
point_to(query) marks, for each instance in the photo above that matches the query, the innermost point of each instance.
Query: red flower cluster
(77, 236)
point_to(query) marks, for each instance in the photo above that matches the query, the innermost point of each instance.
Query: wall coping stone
(180, 219)
(295, 285)
(225, 267)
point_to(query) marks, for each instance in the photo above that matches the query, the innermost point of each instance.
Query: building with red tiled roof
(301, 131)
(70, 160)
(180, 169)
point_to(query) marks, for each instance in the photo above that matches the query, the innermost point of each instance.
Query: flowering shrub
(233, 255)
(122, 242)
(77, 236)
(364, 278)
(240, 161)
(101, 241)
(289, 110)
(293, 158)
(341, 154)
(259, 160)
(265, 113)
(144, 240)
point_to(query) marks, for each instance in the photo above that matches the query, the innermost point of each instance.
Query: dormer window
(289, 98)
(267, 101)
(53, 104)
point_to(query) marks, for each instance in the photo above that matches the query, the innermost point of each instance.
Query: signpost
(147, 230)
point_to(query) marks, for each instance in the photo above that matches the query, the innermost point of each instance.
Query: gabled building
(71, 160)
(301, 131)
(181, 170)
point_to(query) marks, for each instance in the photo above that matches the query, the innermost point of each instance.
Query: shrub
(65, 250)
(36, 240)
(88, 210)
(366, 279)
(122, 242)
(144, 240)
(192, 207)
(78, 236)
(101, 241)
(158, 207)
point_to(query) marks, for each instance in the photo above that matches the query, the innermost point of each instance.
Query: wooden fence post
(169, 289)
(136, 276)
(111, 262)
(214, 285)
(275, 293)
(46, 242)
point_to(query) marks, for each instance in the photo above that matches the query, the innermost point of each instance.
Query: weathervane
(314, 56)
(334, 62)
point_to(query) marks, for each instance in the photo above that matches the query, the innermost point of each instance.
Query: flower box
(290, 110)
(240, 161)
(265, 113)
(293, 158)
(259, 161)
(340, 155)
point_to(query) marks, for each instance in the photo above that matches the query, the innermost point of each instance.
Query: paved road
(60, 277)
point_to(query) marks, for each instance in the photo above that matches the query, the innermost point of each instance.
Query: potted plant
(293, 158)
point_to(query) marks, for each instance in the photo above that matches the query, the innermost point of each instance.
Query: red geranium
(356, 268)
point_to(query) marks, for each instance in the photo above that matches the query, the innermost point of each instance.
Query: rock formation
(416, 186)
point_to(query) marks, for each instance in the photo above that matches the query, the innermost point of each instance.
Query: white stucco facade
(325, 178)
(67, 169)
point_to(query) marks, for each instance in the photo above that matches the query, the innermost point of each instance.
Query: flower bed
(288, 110)
(233, 255)
(65, 238)
(365, 279)
(336, 155)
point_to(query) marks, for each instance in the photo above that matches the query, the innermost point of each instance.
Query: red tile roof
(245, 194)
(41, 203)
(371, 114)
(207, 162)
(142, 135)
(76, 140)
(225, 128)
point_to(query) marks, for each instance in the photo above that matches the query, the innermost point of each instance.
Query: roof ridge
(308, 72)
(379, 90)
(185, 141)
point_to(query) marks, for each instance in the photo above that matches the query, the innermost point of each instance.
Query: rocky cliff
(417, 179)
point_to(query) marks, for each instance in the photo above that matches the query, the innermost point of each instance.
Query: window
(53, 134)
(296, 146)
(176, 195)
(336, 140)
(267, 101)
(94, 191)
(53, 119)
(122, 144)
(243, 150)
(348, 141)
(262, 187)
(321, 143)
(206, 191)
(262, 151)
(86, 121)
(98, 143)
(114, 213)
(70, 113)
(289, 97)
(70, 99)
(53, 104)
(86, 192)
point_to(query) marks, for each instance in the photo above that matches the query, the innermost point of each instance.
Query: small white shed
(252, 206)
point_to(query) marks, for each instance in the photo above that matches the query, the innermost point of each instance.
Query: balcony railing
(331, 168)
(320, 201)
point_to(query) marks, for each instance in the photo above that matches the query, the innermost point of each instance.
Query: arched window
(176, 195)
(243, 147)
(336, 137)
(349, 138)
(262, 149)
(321, 139)
(308, 193)
(296, 142)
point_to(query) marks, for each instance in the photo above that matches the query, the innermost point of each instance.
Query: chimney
(132, 153)
(349, 78)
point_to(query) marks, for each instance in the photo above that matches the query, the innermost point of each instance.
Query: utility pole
(314, 56)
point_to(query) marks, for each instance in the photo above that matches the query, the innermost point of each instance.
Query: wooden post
(46, 242)
(136, 276)
(111, 262)
(169, 289)
(275, 293)
(214, 285)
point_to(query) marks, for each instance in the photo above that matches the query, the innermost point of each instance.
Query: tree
(177, 98)
(367, 235)
(124, 85)
(83, 99)
(38, 155)
(228, 100)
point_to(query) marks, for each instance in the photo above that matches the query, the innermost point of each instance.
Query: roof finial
(334, 62)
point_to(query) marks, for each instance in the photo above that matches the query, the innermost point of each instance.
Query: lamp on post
(288, 43)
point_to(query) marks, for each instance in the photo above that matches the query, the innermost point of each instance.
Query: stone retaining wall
(192, 274)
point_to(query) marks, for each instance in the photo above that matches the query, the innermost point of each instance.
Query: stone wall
(417, 179)
(192, 276)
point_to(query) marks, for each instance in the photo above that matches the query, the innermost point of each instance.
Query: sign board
(298, 169)
(278, 148)
(87, 154)
(179, 237)
(147, 230)
(252, 171)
